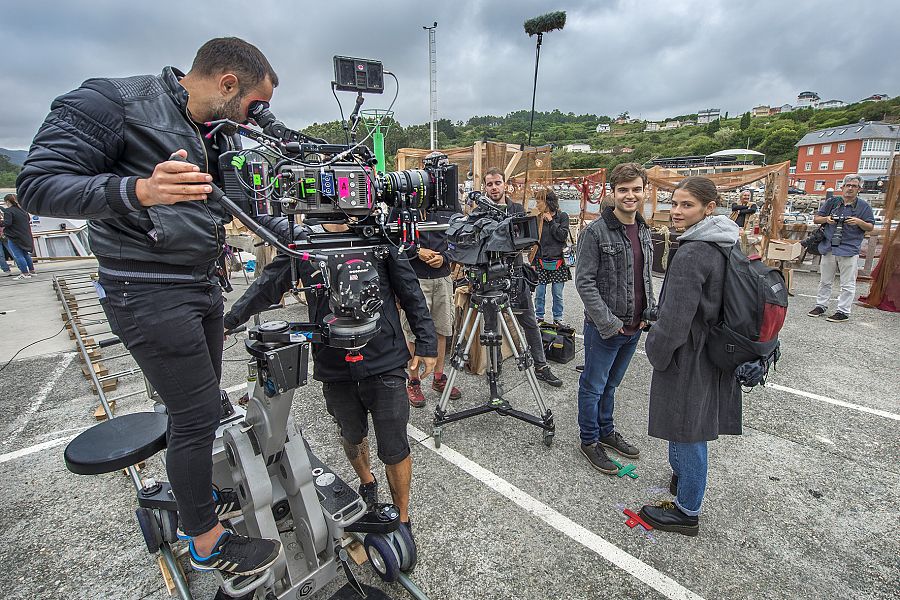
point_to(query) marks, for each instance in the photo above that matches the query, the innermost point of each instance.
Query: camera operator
(847, 218)
(101, 155)
(495, 189)
(376, 384)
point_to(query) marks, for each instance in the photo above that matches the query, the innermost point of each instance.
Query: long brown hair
(11, 198)
(701, 188)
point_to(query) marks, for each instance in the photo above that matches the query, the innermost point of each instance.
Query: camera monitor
(358, 75)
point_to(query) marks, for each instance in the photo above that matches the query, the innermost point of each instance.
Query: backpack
(754, 306)
(558, 342)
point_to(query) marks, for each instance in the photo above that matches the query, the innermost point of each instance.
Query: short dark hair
(231, 54)
(493, 171)
(627, 172)
(552, 201)
(701, 188)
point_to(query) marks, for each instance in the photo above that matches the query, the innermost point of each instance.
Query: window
(843, 131)
(897, 147)
(876, 146)
(841, 147)
(801, 183)
(823, 165)
(820, 185)
(874, 163)
(792, 170)
(810, 150)
(826, 149)
(838, 185)
(807, 166)
(838, 165)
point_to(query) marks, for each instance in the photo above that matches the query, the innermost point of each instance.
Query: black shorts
(382, 396)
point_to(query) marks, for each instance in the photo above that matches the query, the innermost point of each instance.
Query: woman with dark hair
(691, 400)
(17, 227)
(551, 267)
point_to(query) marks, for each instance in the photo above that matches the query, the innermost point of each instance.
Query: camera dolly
(488, 307)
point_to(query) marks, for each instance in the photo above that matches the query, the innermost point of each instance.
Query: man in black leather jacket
(102, 155)
(375, 385)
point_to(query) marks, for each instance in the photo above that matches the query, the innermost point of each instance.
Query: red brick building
(825, 156)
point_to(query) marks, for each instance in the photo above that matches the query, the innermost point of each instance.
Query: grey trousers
(846, 266)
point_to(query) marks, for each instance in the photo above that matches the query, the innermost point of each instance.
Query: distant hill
(16, 157)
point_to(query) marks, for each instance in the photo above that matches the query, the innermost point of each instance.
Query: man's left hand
(428, 361)
(435, 261)
(855, 221)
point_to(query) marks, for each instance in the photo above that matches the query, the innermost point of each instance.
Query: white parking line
(32, 449)
(37, 400)
(637, 568)
(811, 396)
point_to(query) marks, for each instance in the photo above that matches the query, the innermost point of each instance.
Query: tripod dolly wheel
(383, 556)
(168, 522)
(548, 437)
(406, 548)
(150, 528)
(436, 435)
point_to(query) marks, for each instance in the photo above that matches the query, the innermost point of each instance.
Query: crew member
(102, 155)
(495, 189)
(375, 385)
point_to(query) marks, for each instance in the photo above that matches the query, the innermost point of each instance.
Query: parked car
(795, 190)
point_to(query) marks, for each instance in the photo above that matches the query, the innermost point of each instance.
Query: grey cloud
(653, 58)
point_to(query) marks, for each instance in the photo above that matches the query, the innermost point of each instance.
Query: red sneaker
(414, 393)
(439, 383)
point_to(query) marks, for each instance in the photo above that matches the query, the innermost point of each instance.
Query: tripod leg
(526, 355)
(457, 360)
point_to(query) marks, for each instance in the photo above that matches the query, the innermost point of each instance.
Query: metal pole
(432, 82)
(537, 61)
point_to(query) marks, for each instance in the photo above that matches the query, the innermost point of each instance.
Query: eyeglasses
(856, 185)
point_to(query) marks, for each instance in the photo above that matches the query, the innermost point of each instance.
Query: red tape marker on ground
(634, 520)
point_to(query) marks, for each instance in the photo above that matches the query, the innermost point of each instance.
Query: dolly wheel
(406, 548)
(548, 437)
(436, 435)
(382, 556)
(150, 528)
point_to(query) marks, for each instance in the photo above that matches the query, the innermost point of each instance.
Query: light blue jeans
(22, 258)
(689, 462)
(540, 294)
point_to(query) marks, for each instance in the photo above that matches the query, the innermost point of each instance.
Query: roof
(737, 152)
(852, 131)
(807, 95)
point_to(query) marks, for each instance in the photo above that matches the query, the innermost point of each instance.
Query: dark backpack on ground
(558, 342)
(754, 306)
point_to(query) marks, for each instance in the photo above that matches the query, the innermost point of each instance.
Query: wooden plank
(99, 368)
(100, 414)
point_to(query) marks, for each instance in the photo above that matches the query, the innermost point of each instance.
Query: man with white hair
(847, 218)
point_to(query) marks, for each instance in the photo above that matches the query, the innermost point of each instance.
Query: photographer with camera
(847, 218)
(376, 383)
(614, 281)
(101, 155)
(495, 188)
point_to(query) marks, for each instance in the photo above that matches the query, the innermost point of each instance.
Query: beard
(231, 110)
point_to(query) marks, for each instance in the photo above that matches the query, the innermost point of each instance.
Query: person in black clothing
(102, 154)
(375, 385)
(744, 207)
(551, 267)
(17, 228)
(495, 189)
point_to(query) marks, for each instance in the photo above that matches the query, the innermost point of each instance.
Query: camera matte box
(358, 75)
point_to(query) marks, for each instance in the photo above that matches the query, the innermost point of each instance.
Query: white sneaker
(24, 277)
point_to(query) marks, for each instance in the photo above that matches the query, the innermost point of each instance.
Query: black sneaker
(369, 493)
(667, 517)
(598, 459)
(816, 312)
(618, 443)
(838, 317)
(673, 485)
(546, 375)
(238, 555)
(580, 368)
(228, 504)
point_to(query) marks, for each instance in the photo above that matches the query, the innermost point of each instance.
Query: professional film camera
(489, 243)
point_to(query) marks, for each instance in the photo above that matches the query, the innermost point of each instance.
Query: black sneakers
(238, 555)
(667, 517)
(816, 312)
(673, 485)
(618, 443)
(228, 505)
(546, 375)
(598, 459)
(369, 493)
(838, 317)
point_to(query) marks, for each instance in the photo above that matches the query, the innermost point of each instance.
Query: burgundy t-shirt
(640, 298)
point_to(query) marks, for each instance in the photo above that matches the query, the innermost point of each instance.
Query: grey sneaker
(618, 443)
(816, 312)
(598, 459)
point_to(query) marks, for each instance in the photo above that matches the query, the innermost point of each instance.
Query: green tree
(713, 126)
(745, 120)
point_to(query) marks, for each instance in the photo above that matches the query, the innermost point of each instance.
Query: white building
(708, 115)
(807, 100)
(831, 104)
(763, 110)
(672, 124)
(652, 126)
(586, 148)
(603, 128)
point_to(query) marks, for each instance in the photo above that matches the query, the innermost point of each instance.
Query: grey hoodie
(718, 229)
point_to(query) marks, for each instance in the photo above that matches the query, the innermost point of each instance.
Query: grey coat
(604, 272)
(690, 399)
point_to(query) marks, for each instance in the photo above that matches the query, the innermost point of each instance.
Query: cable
(33, 343)
(341, 109)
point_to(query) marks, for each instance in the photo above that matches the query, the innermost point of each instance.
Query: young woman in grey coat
(691, 401)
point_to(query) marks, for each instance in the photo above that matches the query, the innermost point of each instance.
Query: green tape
(257, 180)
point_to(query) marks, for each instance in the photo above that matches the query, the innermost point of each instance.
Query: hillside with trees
(8, 172)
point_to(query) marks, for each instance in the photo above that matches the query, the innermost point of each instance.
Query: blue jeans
(22, 258)
(689, 462)
(605, 363)
(540, 293)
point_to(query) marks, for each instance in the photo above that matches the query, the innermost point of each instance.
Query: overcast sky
(652, 58)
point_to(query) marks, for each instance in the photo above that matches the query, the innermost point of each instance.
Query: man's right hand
(173, 181)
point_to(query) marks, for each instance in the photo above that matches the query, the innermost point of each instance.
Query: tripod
(487, 307)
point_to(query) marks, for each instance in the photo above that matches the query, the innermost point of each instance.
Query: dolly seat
(117, 443)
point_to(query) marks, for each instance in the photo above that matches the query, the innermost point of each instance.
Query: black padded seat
(117, 443)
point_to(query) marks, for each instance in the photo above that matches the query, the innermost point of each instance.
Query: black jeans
(528, 321)
(175, 333)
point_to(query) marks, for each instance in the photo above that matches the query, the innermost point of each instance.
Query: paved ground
(804, 505)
